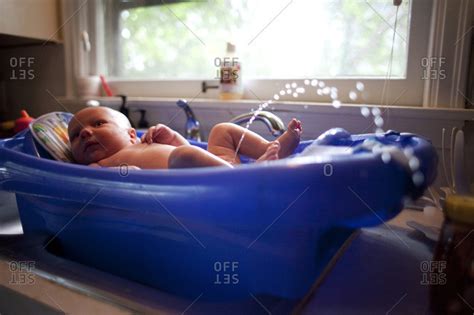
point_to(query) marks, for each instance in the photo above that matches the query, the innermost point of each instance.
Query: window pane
(275, 39)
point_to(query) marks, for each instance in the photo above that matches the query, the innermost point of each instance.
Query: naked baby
(100, 136)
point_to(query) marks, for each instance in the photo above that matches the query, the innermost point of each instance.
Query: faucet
(192, 130)
(274, 124)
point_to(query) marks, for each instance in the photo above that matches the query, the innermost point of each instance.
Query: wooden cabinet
(35, 19)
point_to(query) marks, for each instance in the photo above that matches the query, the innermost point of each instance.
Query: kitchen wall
(29, 75)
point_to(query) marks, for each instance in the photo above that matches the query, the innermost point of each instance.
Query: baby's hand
(159, 134)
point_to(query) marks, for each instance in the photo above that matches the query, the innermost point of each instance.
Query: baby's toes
(299, 128)
(273, 149)
(293, 124)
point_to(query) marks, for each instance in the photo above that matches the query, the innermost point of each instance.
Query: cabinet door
(37, 19)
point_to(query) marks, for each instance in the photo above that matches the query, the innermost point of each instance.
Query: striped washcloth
(50, 130)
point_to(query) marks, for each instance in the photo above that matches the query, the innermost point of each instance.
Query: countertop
(380, 272)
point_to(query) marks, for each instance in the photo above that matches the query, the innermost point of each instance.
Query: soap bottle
(231, 75)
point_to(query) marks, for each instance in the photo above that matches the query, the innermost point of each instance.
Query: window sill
(238, 106)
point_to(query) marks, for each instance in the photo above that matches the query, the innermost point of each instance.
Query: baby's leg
(187, 156)
(225, 137)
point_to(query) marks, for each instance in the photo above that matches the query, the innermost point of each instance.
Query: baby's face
(97, 133)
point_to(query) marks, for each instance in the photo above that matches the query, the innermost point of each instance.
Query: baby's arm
(164, 135)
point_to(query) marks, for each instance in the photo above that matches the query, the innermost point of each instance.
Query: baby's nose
(85, 132)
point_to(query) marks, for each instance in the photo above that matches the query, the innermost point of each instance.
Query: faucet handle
(192, 127)
(182, 103)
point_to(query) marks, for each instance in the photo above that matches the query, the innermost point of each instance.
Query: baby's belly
(147, 156)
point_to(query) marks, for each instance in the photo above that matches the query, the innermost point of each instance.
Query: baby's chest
(146, 155)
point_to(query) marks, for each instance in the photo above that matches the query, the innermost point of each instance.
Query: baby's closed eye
(99, 123)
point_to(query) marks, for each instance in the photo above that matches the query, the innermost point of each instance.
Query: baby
(101, 136)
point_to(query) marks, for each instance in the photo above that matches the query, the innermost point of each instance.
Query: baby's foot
(271, 153)
(291, 138)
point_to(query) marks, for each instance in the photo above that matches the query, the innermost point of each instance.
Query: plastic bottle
(231, 75)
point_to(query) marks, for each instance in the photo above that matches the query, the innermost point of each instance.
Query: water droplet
(319, 92)
(287, 86)
(365, 111)
(418, 178)
(321, 84)
(289, 91)
(386, 157)
(282, 92)
(376, 111)
(326, 90)
(334, 89)
(306, 82)
(126, 33)
(414, 163)
(379, 132)
(378, 120)
(336, 103)
(300, 90)
(408, 152)
(360, 86)
(293, 85)
(314, 82)
(295, 94)
(270, 101)
(353, 95)
(276, 97)
(333, 95)
(125, 14)
(306, 107)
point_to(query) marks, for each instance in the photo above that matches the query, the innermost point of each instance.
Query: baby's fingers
(148, 136)
(157, 132)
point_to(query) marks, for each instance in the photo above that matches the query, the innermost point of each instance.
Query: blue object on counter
(264, 228)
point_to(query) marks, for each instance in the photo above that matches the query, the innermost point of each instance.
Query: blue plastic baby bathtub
(218, 233)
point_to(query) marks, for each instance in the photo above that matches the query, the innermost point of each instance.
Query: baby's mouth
(89, 145)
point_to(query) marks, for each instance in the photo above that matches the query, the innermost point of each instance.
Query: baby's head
(96, 133)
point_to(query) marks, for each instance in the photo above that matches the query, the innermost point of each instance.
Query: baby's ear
(133, 136)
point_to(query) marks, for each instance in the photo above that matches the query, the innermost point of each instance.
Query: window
(276, 39)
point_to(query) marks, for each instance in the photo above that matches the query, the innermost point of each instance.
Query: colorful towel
(50, 130)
